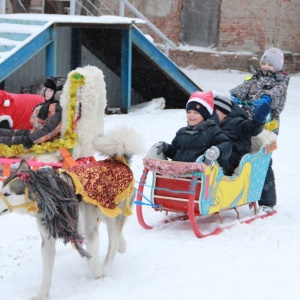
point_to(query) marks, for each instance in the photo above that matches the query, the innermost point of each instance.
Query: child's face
(48, 93)
(265, 67)
(221, 115)
(193, 117)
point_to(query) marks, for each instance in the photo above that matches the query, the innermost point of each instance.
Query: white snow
(258, 261)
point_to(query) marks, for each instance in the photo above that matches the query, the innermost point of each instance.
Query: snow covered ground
(258, 261)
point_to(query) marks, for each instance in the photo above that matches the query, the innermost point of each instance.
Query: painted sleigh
(195, 191)
(83, 102)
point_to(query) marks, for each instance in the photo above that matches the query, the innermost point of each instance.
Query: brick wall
(165, 15)
(246, 28)
(259, 24)
(220, 60)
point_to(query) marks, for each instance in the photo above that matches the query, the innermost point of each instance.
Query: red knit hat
(202, 102)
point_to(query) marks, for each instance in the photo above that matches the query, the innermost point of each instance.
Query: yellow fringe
(70, 136)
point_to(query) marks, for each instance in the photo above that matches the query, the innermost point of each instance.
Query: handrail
(167, 42)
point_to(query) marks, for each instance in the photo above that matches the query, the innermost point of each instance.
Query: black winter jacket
(239, 128)
(191, 142)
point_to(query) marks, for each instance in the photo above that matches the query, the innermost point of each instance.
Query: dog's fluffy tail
(123, 141)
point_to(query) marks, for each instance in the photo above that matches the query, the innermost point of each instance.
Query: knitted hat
(275, 57)
(223, 104)
(202, 102)
(50, 83)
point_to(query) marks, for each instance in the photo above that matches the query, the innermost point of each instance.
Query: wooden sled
(83, 102)
(202, 191)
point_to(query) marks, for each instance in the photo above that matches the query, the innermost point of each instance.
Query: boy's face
(48, 93)
(265, 67)
(193, 117)
(221, 115)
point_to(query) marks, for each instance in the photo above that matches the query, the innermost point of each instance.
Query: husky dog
(62, 211)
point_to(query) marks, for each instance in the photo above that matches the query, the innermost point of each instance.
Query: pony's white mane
(93, 103)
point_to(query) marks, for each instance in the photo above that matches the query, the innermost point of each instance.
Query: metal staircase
(139, 64)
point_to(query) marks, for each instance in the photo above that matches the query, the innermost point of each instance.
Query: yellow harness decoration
(105, 184)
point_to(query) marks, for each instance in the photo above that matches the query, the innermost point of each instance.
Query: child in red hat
(200, 136)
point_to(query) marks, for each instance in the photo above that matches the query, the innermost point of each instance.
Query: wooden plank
(29, 50)
(51, 55)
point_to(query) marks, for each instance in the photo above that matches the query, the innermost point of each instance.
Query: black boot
(268, 196)
(4, 124)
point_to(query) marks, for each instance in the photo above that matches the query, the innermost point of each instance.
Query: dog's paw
(121, 244)
(40, 296)
(98, 270)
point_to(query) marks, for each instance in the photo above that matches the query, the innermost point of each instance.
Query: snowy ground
(258, 261)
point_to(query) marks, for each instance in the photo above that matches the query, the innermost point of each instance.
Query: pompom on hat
(223, 104)
(275, 57)
(202, 102)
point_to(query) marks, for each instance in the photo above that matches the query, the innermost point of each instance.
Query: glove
(211, 154)
(235, 99)
(161, 147)
(261, 112)
(262, 100)
(27, 141)
(240, 102)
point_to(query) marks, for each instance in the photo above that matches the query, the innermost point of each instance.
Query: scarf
(43, 113)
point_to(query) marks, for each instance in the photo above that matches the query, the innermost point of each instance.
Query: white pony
(64, 211)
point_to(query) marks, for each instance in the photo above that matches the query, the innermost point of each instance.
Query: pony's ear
(24, 166)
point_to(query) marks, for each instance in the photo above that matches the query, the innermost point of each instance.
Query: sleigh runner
(191, 191)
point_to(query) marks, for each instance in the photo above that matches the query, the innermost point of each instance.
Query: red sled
(195, 191)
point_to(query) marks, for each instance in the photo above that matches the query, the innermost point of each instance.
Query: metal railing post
(72, 7)
(122, 8)
(2, 7)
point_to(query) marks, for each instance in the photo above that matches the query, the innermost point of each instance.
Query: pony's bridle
(29, 205)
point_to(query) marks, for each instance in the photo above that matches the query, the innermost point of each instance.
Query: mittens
(262, 100)
(161, 147)
(261, 112)
(27, 141)
(211, 154)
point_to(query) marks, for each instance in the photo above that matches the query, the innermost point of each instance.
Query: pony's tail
(123, 141)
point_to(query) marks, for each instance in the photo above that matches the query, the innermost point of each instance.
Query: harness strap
(29, 205)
